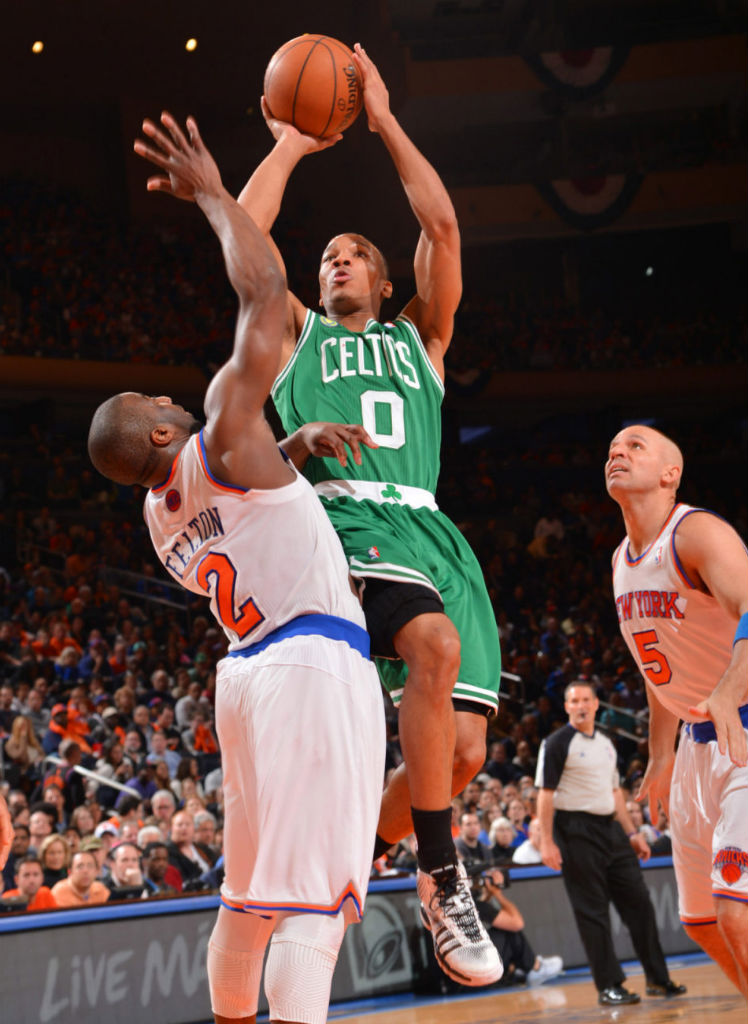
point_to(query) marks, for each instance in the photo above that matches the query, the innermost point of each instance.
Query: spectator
(499, 765)
(189, 858)
(163, 805)
(54, 856)
(188, 769)
(31, 891)
(529, 851)
(96, 846)
(81, 888)
(503, 840)
(517, 814)
(22, 752)
(504, 924)
(82, 819)
(187, 705)
(125, 880)
(205, 831)
(159, 751)
(468, 845)
(19, 848)
(36, 713)
(41, 824)
(155, 870)
(649, 832)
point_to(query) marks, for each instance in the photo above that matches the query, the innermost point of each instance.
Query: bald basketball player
(680, 580)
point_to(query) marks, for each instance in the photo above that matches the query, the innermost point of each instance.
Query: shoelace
(458, 906)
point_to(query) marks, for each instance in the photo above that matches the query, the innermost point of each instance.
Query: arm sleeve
(552, 758)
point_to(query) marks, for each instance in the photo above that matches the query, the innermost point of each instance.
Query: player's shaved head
(668, 452)
(118, 439)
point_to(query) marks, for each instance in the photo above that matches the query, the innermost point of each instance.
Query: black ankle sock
(433, 831)
(381, 846)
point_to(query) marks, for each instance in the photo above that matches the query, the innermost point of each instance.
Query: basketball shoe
(461, 945)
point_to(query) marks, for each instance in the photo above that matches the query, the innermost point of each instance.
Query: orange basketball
(312, 83)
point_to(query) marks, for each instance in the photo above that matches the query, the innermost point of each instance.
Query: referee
(578, 778)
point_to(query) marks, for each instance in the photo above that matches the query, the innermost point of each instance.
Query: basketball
(312, 83)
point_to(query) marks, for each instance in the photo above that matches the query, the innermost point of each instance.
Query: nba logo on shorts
(731, 863)
(373, 552)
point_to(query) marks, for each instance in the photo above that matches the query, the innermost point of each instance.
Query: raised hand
(305, 143)
(376, 96)
(190, 169)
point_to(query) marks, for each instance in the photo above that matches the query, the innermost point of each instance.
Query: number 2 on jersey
(217, 577)
(654, 663)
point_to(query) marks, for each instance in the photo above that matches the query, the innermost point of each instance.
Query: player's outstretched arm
(437, 260)
(715, 559)
(263, 194)
(238, 442)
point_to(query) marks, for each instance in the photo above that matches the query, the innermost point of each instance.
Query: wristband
(741, 633)
(632, 834)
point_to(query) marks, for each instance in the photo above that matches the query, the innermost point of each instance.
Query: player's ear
(321, 303)
(671, 476)
(162, 435)
(386, 290)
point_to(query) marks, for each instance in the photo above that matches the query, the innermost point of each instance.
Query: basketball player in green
(422, 588)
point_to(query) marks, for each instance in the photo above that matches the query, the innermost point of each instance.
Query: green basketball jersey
(381, 378)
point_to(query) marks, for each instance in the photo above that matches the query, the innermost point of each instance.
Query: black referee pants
(600, 867)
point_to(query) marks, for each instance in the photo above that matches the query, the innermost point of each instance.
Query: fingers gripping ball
(312, 83)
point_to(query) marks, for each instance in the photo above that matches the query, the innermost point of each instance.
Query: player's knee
(470, 756)
(300, 964)
(430, 646)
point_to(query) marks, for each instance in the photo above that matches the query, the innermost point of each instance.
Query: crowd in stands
(53, 303)
(106, 668)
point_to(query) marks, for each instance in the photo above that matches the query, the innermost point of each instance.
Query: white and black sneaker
(462, 947)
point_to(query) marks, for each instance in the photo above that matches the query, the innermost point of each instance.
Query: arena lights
(37, 46)
(190, 45)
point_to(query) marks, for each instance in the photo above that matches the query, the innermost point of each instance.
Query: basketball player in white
(680, 580)
(299, 711)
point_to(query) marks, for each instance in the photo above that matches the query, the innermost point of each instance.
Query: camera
(480, 870)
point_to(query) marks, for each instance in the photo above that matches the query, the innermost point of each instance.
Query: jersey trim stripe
(330, 626)
(635, 561)
(723, 894)
(233, 488)
(616, 556)
(419, 342)
(305, 331)
(388, 571)
(695, 921)
(256, 906)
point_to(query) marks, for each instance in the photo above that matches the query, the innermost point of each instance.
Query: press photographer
(504, 924)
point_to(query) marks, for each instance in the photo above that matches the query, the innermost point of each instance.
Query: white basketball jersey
(263, 557)
(680, 638)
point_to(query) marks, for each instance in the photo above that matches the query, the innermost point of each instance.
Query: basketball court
(568, 1001)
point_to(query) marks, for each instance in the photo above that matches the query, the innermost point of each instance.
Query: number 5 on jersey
(216, 575)
(654, 664)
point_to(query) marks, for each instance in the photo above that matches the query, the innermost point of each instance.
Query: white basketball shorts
(709, 825)
(301, 729)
